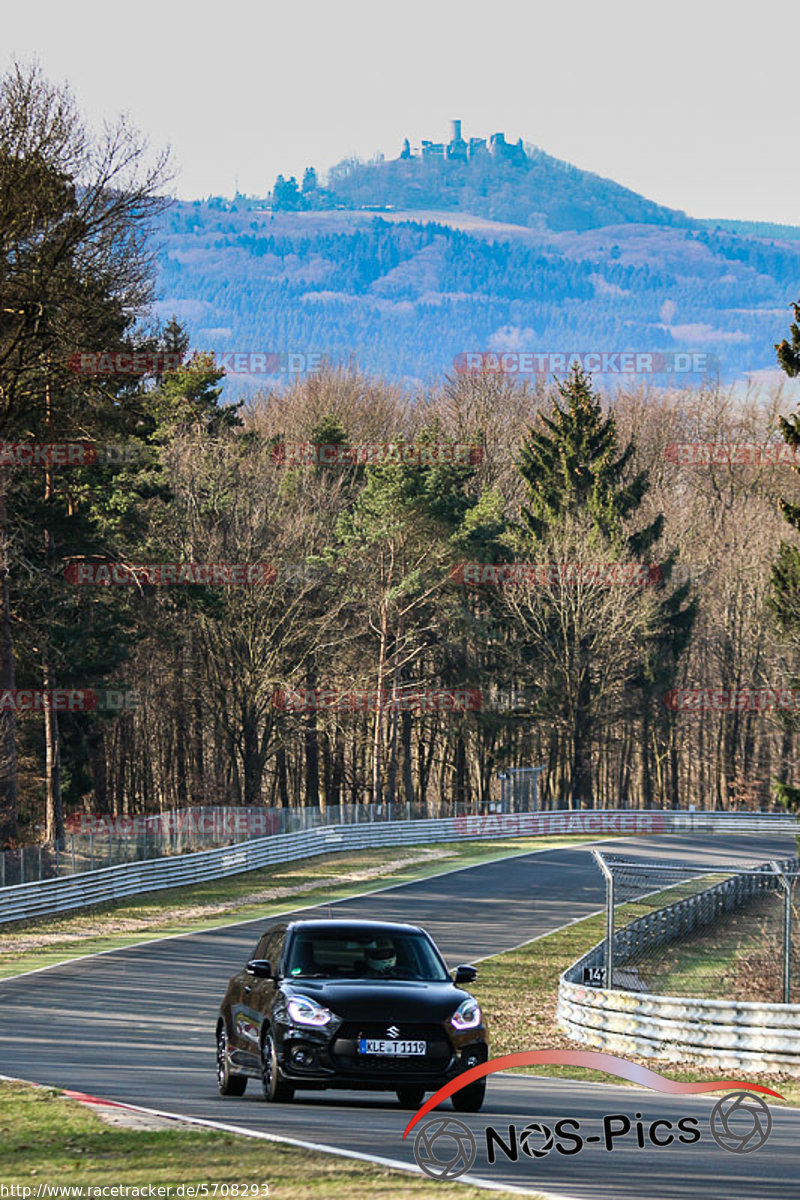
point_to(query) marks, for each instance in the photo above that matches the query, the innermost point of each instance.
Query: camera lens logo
(740, 1122)
(445, 1148)
(532, 1135)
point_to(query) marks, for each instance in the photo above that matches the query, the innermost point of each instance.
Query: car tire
(410, 1097)
(228, 1083)
(470, 1098)
(275, 1089)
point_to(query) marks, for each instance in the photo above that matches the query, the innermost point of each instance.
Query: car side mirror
(465, 974)
(260, 967)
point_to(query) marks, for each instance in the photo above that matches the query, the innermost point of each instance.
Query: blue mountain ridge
(401, 268)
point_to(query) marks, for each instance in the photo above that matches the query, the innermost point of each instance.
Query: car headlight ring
(467, 1015)
(305, 1011)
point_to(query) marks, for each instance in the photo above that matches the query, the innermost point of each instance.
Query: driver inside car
(381, 956)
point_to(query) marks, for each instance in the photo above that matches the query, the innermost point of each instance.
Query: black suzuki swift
(350, 1004)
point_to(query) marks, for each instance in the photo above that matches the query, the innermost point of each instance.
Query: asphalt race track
(137, 1025)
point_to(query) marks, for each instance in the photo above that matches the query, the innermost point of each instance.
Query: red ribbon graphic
(598, 1061)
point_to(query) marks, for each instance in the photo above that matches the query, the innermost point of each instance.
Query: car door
(245, 1020)
(261, 992)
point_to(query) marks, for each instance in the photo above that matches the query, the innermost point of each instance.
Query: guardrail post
(787, 932)
(609, 878)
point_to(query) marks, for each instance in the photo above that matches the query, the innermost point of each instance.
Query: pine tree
(785, 583)
(573, 469)
(580, 491)
(74, 276)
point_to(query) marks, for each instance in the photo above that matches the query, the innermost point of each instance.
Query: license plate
(377, 1046)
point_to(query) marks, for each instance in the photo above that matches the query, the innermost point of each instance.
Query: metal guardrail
(96, 840)
(49, 896)
(723, 1034)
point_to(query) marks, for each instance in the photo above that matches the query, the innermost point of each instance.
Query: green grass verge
(252, 895)
(739, 954)
(518, 992)
(48, 1139)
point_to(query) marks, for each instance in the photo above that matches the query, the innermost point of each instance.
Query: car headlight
(304, 1011)
(467, 1015)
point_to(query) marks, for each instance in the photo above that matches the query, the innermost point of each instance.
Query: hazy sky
(694, 104)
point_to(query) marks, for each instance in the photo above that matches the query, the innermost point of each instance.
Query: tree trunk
(406, 727)
(181, 734)
(377, 780)
(54, 812)
(283, 781)
(581, 745)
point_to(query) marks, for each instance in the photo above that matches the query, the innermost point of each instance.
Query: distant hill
(540, 192)
(762, 229)
(401, 267)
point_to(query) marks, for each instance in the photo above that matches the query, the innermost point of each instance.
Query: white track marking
(285, 912)
(319, 1147)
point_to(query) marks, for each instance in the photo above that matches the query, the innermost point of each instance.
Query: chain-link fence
(519, 789)
(724, 933)
(103, 840)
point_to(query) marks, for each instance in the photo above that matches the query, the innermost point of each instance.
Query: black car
(350, 1004)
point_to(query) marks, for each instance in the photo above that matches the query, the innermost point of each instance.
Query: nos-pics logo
(446, 1148)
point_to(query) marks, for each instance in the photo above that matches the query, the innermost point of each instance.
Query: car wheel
(228, 1083)
(275, 1089)
(470, 1098)
(410, 1097)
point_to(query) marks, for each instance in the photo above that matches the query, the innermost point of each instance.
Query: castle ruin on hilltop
(459, 150)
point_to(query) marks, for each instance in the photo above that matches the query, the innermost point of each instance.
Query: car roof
(360, 926)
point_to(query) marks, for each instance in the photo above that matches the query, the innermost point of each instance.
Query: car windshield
(356, 954)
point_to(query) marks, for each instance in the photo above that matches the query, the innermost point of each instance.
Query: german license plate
(378, 1046)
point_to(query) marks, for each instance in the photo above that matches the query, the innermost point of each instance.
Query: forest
(487, 573)
(401, 297)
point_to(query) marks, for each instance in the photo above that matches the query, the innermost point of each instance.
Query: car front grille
(346, 1056)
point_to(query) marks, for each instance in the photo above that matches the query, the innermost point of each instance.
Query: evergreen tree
(74, 276)
(571, 468)
(581, 497)
(785, 583)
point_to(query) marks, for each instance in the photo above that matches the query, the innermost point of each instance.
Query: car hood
(379, 1000)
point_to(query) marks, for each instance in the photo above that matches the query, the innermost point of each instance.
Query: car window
(276, 949)
(270, 945)
(343, 954)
